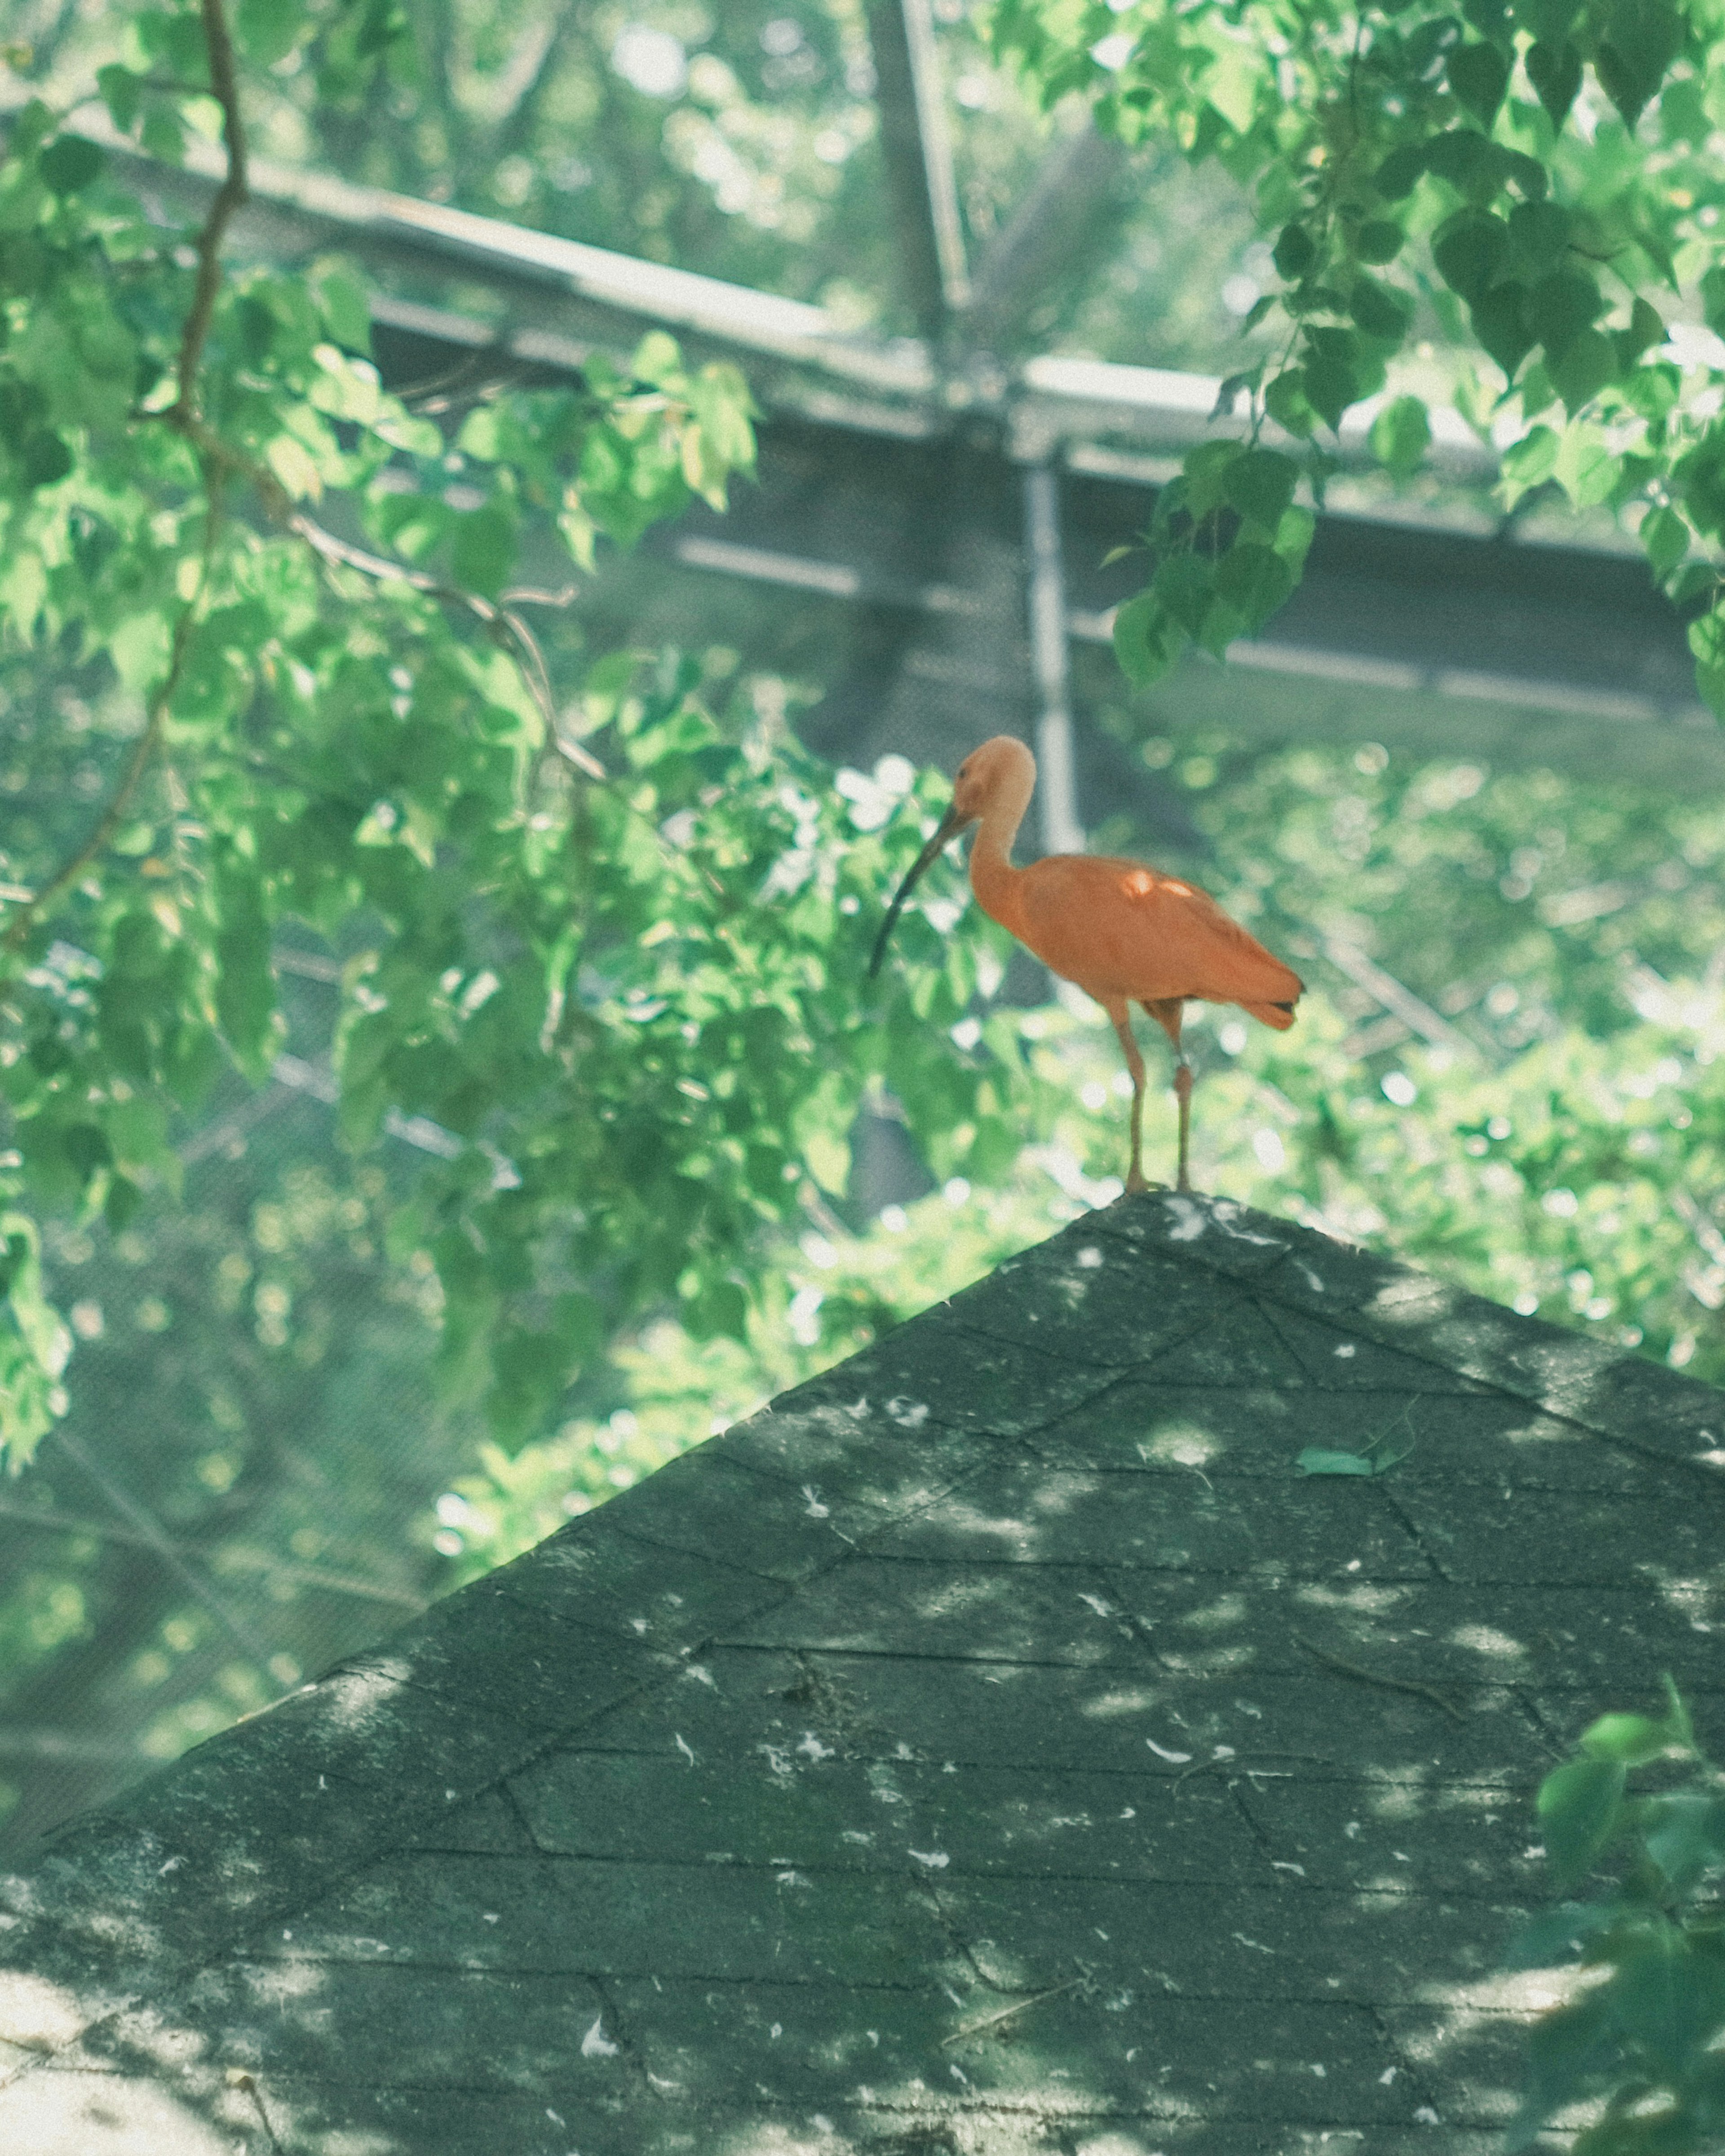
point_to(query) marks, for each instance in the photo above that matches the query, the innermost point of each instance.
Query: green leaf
(1401, 434)
(1560, 307)
(1260, 485)
(1470, 164)
(1378, 241)
(1646, 331)
(268, 30)
(1539, 235)
(1184, 586)
(1332, 376)
(1294, 253)
(1468, 250)
(1378, 309)
(1141, 639)
(1564, 2049)
(1253, 579)
(1707, 640)
(1396, 178)
(1712, 300)
(1665, 538)
(1632, 1739)
(70, 164)
(346, 310)
(1286, 402)
(1555, 72)
(1684, 1833)
(483, 552)
(1500, 322)
(1479, 76)
(1315, 1460)
(1579, 1806)
(1529, 462)
(1642, 38)
(1587, 365)
(1206, 469)
(1559, 1934)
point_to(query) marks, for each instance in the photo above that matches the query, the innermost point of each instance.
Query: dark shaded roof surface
(994, 1746)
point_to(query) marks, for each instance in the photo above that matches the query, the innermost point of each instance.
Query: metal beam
(1045, 580)
(1070, 196)
(917, 149)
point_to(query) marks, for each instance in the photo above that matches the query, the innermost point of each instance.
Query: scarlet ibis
(1123, 931)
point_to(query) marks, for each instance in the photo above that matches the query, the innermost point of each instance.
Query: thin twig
(505, 626)
(225, 88)
(1373, 1677)
(300, 1575)
(1006, 2013)
(150, 1528)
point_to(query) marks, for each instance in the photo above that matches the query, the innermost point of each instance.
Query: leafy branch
(1641, 2024)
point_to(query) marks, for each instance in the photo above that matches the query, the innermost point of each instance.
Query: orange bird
(1124, 932)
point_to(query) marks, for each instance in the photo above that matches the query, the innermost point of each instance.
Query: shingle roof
(993, 1745)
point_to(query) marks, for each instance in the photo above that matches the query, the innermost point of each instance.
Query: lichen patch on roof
(997, 1745)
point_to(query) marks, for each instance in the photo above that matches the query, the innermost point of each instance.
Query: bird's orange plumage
(1122, 931)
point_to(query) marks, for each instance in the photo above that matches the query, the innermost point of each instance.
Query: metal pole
(1056, 793)
(937, 155)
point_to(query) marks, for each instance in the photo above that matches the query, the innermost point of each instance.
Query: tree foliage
(1537, 180)
(581, 928)
(1640, 2026)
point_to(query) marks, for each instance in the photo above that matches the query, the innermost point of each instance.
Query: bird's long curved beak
(952, 823)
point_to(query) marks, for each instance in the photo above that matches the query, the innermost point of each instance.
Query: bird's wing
(1119, 928)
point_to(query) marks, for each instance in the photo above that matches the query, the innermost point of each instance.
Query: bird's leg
(1182, 1094)
(1135, 1063)
(1169, 1013)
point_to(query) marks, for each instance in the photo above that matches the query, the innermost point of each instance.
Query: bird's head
(1001, 765)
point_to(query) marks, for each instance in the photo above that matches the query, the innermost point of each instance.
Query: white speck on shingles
(1257, 1946)
(699, 1674)
(1319, 2071)
(811, 1748)
(173, 1864)
(1189, 1223)
(1310, 1278)
(776, 2030)
(490, 1917)
(1090, 1259)
(1097, 1603)
(1221, 1751)
(776, 1758)
(1352, 1830)
(816, 1509)
(639, 1623)
(908, 1414)
(937, 1860)
(1425, 2116)
(1347, 1350)
(1387, 2075)
(1278, 1864)
(1173, 1758)
(595, 2043)
(685, 1748)
(552, 2115)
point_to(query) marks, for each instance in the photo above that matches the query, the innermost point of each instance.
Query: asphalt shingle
(994, 1746)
